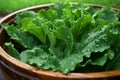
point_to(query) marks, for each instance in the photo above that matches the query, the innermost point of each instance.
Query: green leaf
(69, 13)
(22, 15)
(81, 25)
(114, 64)
(52, 63)
(36, 27)
(20, 36)
(36, 56)
(50, 14)
(100, 58)
(25, 22)
(37, 31)
(70, 62)
(59, 8)
(108, 14)
(64, 33)
(12, 51)
(59, 23)
(92, 42)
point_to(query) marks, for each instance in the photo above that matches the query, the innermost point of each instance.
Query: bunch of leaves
(67, 38)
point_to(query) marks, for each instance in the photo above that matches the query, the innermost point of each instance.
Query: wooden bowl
(14, 69)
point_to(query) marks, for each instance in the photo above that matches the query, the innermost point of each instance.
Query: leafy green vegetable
(19, 17)
(69, 63)
(64, 33)
(12, 51)
(34, 56)
(108, 14)
(35, 30)
(67, 38)
(20, 36)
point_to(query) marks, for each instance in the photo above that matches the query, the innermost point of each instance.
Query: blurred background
(8, 6)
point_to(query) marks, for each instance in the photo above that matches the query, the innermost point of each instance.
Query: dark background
(1, 76)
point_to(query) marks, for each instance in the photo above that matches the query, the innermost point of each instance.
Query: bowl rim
(39, 71)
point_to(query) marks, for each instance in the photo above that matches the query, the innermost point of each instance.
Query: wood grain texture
(17, 70)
